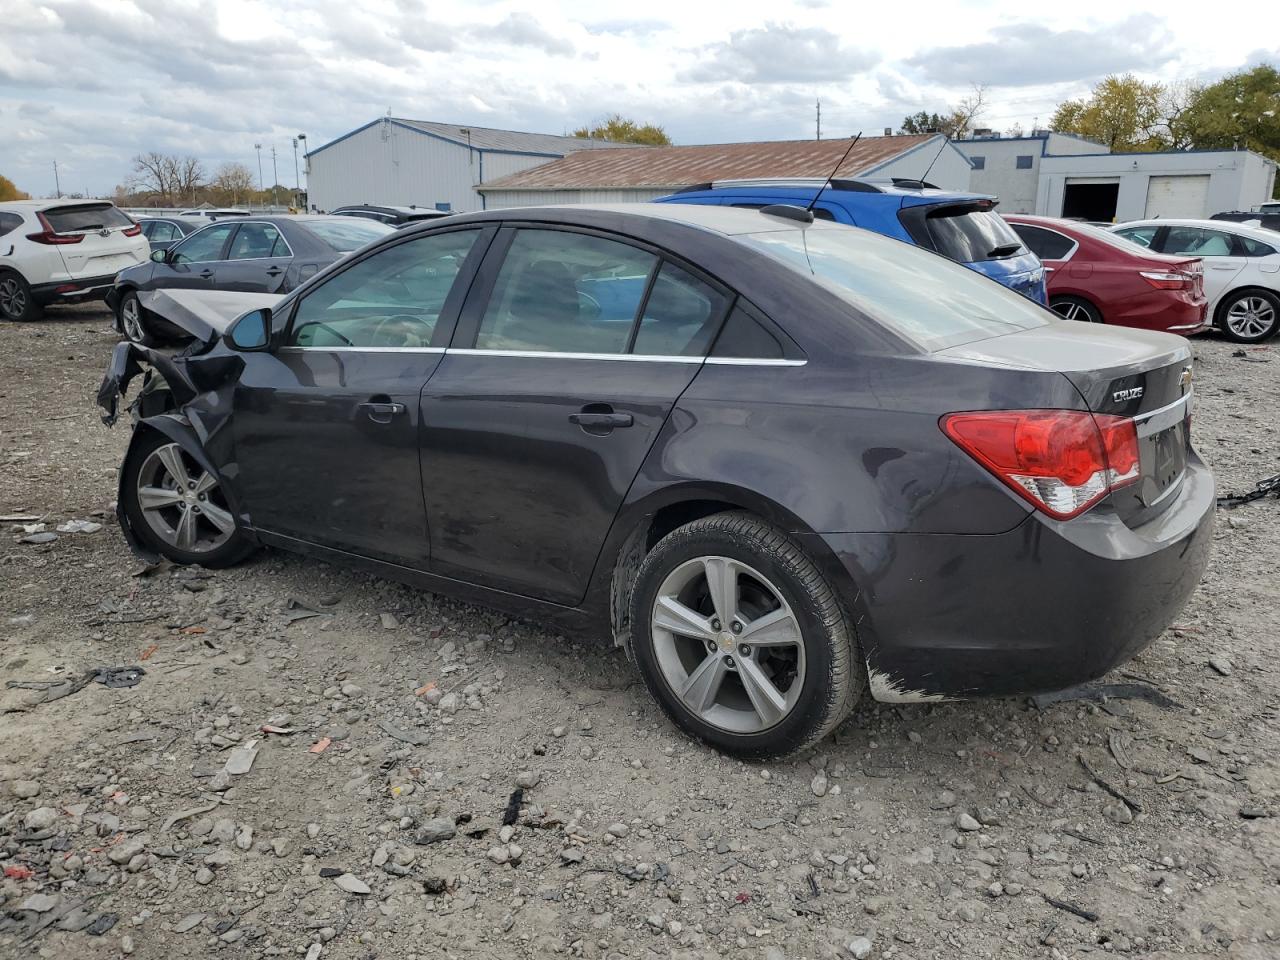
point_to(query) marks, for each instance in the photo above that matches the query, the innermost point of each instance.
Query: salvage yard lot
(930, 831)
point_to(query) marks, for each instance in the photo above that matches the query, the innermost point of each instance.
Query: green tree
(9, 192)
(1240, 111)
(619, 129)
(1123, 112)
(922, 122)
(955, 123)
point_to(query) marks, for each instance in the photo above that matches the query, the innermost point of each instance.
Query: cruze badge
(1133, 393)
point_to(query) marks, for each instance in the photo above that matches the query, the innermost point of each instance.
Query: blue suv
(961, 226)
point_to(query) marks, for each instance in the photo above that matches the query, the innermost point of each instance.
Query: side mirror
(251, 332)
(160, 256)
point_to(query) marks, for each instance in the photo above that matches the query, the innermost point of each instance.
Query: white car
(1241, 269)
(62, 251)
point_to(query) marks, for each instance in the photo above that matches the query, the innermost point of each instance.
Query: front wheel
(1249, 316)
(16, 302)
(178, 508)
(133, 322)
(741, 640)
(1075, 308)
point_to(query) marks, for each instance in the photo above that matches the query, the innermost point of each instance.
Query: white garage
(1184, 196)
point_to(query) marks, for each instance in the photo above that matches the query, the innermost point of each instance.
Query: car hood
(205, 314)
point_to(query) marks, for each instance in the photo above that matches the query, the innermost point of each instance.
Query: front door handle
(206, 274)
(600, 420)
(381, 412)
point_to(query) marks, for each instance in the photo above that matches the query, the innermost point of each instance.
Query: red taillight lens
(1167, 279)
(50, 238)
(1061, 461)
(132, 231)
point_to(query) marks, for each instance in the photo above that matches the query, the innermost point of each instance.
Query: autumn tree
(1122, 112)
(1239, 112)
(171, 178)
(958, 121)
(9, 192)
(619, 129)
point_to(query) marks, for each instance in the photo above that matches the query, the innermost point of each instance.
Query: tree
(9, 192)
(172, 179)
(1123, 112)
(233, 184)
(619, 129)
(955, 123)
(1239, 112)
(922, 122)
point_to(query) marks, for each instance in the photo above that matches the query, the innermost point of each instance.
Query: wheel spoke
(171, 457)
(700, 690)
(722, 584)
(769, 703)
(154, 498)
(672, 615)
(220, 518)
(205, 482)
(184, 536)
(776, 629)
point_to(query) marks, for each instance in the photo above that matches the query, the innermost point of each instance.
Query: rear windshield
(347, 235)
(972, 236)
(919, 295)
(89, 216)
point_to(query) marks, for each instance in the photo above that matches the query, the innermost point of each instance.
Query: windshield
(347, 235)
(971, 236)
(915, 293)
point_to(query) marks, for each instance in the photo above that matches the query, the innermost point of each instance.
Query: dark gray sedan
(783, 463)
(248, 255)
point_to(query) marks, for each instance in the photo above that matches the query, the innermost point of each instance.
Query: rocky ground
(320, 764)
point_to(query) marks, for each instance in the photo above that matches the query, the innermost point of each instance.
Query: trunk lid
(1126, 373)
(104, 247)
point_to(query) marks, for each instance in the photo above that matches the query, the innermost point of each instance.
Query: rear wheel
(1249, 316)
(741, 640)
(178, 508)
(16, 302)
(133, 321)
(1075, 308)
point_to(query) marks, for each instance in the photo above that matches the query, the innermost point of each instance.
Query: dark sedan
(780, 462)
(163, 232)
(392, 216)
(249, 255)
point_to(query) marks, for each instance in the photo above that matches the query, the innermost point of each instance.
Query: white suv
(62, 251)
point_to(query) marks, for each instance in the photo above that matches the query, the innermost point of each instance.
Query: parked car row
(784, 463)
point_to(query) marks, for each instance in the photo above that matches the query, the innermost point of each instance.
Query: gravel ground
(369, 822)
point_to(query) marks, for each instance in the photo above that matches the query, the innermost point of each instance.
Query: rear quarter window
(97, 216)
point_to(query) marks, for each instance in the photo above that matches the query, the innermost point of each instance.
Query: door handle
(274, 272)
(600, 420)
(206, 274)
(381, 412)
(1223, 266)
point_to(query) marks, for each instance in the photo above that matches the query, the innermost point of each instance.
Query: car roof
(1226, 226)
(864, 191)
(35, 206)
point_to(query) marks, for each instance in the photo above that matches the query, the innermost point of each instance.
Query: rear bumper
(1042, 607)
(73, 291)
(1159, 310)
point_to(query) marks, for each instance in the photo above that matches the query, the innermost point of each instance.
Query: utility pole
(275, 176)
(261, 186)
(307, 200)
(819, 106)
(56, 183)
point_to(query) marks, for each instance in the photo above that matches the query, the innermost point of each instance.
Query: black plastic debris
(103, 924)
(116, 677)
(512, 813)
(1266, 487)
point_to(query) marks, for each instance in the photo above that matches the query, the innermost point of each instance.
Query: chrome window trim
(1171, 490)
(296, 349)
(555, 355)
(755, 362)
(551, 355)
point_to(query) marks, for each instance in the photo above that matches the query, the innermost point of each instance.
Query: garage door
(1186, 196)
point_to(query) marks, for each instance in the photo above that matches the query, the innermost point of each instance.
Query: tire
(162, 523)
(16, 302)
(1075, 308)
(815, 679)
(133, 321)
(1250, 315)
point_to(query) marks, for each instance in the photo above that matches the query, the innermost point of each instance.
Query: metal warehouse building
(642, 173)
(1061, 175)
(426, 164)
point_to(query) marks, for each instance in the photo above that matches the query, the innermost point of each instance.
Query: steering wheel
(375, 335)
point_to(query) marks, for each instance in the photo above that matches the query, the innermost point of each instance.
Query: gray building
(638, 174)
(1062, 175)
(417, 162)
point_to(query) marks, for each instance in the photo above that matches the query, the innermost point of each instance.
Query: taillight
(132, 231)
(1166, 280)
(50, 236)
(1061, 461)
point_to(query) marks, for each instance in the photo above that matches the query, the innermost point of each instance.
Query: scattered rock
(435, 830)
(351, 884)
(819, 784)
(528, 779)
(122, 853)
(389, 621)
(24, 789)
(859, 948)
(1221, 664)
(967, 823)
(617, 830)
(41, 818)
(40, 902)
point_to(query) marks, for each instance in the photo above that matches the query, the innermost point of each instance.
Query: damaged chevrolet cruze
(782, 463)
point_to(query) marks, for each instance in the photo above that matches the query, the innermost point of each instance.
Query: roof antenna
(924, 179)
(792, 212)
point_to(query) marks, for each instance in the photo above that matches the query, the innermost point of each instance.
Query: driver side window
(203, 245)
(391, 299)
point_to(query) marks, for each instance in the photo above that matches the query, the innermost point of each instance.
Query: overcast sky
(91, 83)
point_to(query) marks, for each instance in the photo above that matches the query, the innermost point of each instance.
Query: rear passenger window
(1252, 247)
(680, 315)
(744, 337)
(257, 241)
(565, 293)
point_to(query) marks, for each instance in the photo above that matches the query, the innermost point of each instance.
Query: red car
(1097, 277)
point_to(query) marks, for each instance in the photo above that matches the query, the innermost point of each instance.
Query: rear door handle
(274, 272)
(206, 274)
(381, 412)
(599, 419)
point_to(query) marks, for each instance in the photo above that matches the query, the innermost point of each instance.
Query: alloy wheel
(13, 299)
(1071, 310)
(728, 644)
(131, 319)
(181, 502)
(1251, 317)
